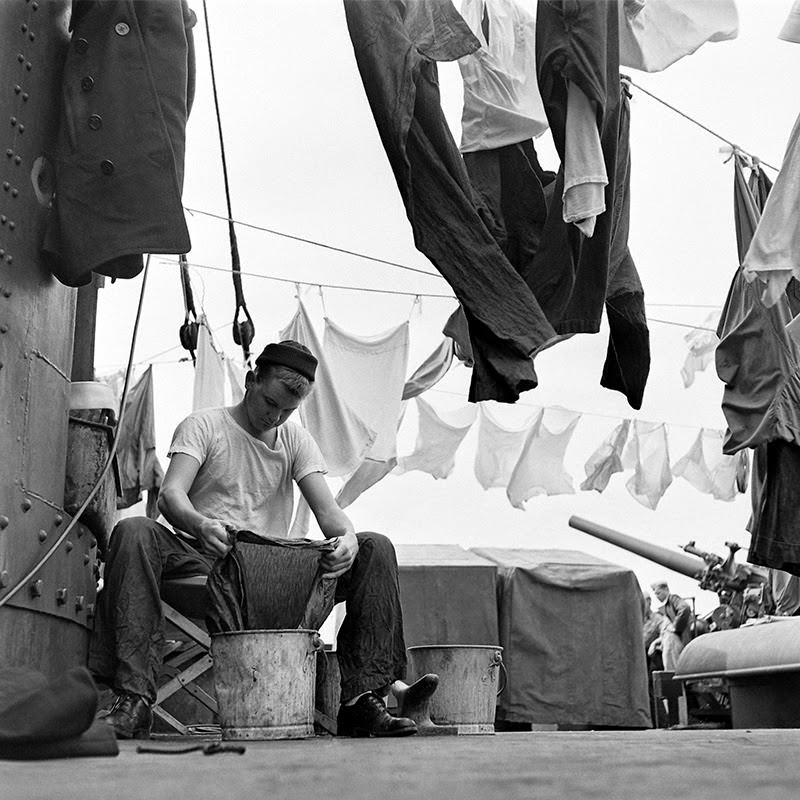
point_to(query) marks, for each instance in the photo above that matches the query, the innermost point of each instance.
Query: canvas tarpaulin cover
(571, 632)
(447, 594)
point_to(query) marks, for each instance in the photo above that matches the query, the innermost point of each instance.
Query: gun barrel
(685, 564)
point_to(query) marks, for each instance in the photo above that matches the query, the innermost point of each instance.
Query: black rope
(244, 331)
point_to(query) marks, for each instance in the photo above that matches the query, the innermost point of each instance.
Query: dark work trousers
(127, 642)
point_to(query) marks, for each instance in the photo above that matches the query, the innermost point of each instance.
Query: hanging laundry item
(236, 376)
(790, 32)
(457, 328)
(572, 276)
(540, 469)
(431, 371)
(607, 459)
(774, 254)
(648, 454)
(502, 104)
(757, 359)
(702, 344)
(585, 175)
(139, 468)
(127, 90)
(709, 470)
(342, 435)
(370, 377)
(499, 449)
(397, 44)
(209, 372)
(656, 33)
(439, 437)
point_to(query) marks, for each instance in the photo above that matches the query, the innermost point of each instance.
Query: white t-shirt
(241, 480)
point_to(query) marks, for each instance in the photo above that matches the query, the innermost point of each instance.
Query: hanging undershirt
(439, 437)
(607, 459)
(648, 454)
(209, 372)
(656, 33)
(341, 434)
(540, 469)
(370, 376)
(585, 175)
(774, 254)
(708, 469)
(499, 449)
(502, 104)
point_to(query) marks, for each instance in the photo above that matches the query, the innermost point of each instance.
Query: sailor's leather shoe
(368, 717)
(130, 716)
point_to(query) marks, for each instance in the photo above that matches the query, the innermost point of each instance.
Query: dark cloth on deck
(128, 637)
(396, 45)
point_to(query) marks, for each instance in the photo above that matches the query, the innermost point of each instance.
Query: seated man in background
(233, 469)
(676, 628)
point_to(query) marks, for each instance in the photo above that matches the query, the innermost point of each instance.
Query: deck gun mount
(743, 589)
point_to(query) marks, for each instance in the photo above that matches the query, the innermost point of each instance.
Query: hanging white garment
(209, 371)
(702, 344)
(431, 370)
(707, 468)
(341, 434)
(540, 469)
(498, 449)
(607, 459)
(656, 33)
(236, 376)
(648, 453)
(774, 253)
(439, 436)
(370, 377)
(585, 176)
(502, 103)
(790, 32)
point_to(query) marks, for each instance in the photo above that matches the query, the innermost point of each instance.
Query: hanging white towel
(438, 439)
(540, 469)
(370, 376)
(708, 469)
(209, 371)
(502, 103)
(656, 33)
(607, 459)
(498, 449)
(773, 253)
(342, 436)
(648, 453)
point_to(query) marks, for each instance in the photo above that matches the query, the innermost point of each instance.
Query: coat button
(95, 122)
(107, 167)
(122, 28)
(87, 83)
(81, 45)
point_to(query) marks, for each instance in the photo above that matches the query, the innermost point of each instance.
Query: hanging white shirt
(498, 449)
(648, 454)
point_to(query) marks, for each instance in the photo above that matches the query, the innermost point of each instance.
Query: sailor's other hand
(341, 558)
(214, 538)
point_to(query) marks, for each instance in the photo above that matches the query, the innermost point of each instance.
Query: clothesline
(413, 294)
(753, 158)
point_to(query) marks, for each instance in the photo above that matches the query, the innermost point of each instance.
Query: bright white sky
(304, 158)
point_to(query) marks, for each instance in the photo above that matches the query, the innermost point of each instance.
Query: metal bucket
(468, 683)
(264, 682)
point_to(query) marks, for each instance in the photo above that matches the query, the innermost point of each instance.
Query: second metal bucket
(468, 683)
(265, 682)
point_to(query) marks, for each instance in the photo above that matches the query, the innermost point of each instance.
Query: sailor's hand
(214, 538)
(341, 558)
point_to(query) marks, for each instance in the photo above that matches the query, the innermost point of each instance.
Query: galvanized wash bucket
(468, 683)
(265, 681)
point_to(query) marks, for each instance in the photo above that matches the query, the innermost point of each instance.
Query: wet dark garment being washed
(126, 93)
(128, 637)
(574, 277)
(397, 45)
